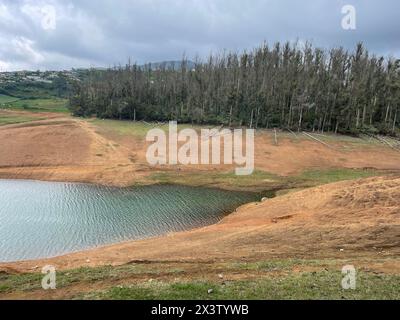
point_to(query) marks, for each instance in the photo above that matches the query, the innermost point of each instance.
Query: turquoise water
(46, 219)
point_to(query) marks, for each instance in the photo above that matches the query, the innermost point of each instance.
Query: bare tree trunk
(374, 106)
(387, 113)
(364, 115)
(258, 117)
(251, 120)
(230, 116)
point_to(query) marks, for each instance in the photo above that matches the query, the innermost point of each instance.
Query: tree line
(286, 86)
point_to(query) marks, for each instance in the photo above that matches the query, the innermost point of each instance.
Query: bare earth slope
(62, 148)
(342, 220)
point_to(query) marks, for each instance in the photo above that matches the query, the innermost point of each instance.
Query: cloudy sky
(61, 34)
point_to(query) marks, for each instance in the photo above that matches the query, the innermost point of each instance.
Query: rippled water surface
(45, 219)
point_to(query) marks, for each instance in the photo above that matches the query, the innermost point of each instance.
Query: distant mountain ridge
(170, 65)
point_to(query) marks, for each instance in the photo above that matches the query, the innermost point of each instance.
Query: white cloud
(5, 13)
(4, 66)
(23, 47)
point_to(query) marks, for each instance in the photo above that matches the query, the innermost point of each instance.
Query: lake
(47, 219)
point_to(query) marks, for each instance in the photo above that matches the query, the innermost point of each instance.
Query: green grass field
(319, 176)
(6, 99)
(137, 129)
(263, 181)
(219, 179)
(130, 128)
(34, 105)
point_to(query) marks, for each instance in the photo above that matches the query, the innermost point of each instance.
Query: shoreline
(278, 228)
(33, 265)
(126, 242)
(148, 183)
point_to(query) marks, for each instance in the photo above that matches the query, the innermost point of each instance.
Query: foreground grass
(274, 279)
(318, 285)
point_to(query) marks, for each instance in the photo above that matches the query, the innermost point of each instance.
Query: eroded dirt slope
(63, 149)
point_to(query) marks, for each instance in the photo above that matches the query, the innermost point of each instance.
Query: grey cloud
(105, 32)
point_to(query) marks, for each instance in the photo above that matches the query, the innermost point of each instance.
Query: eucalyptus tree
(290, 86)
